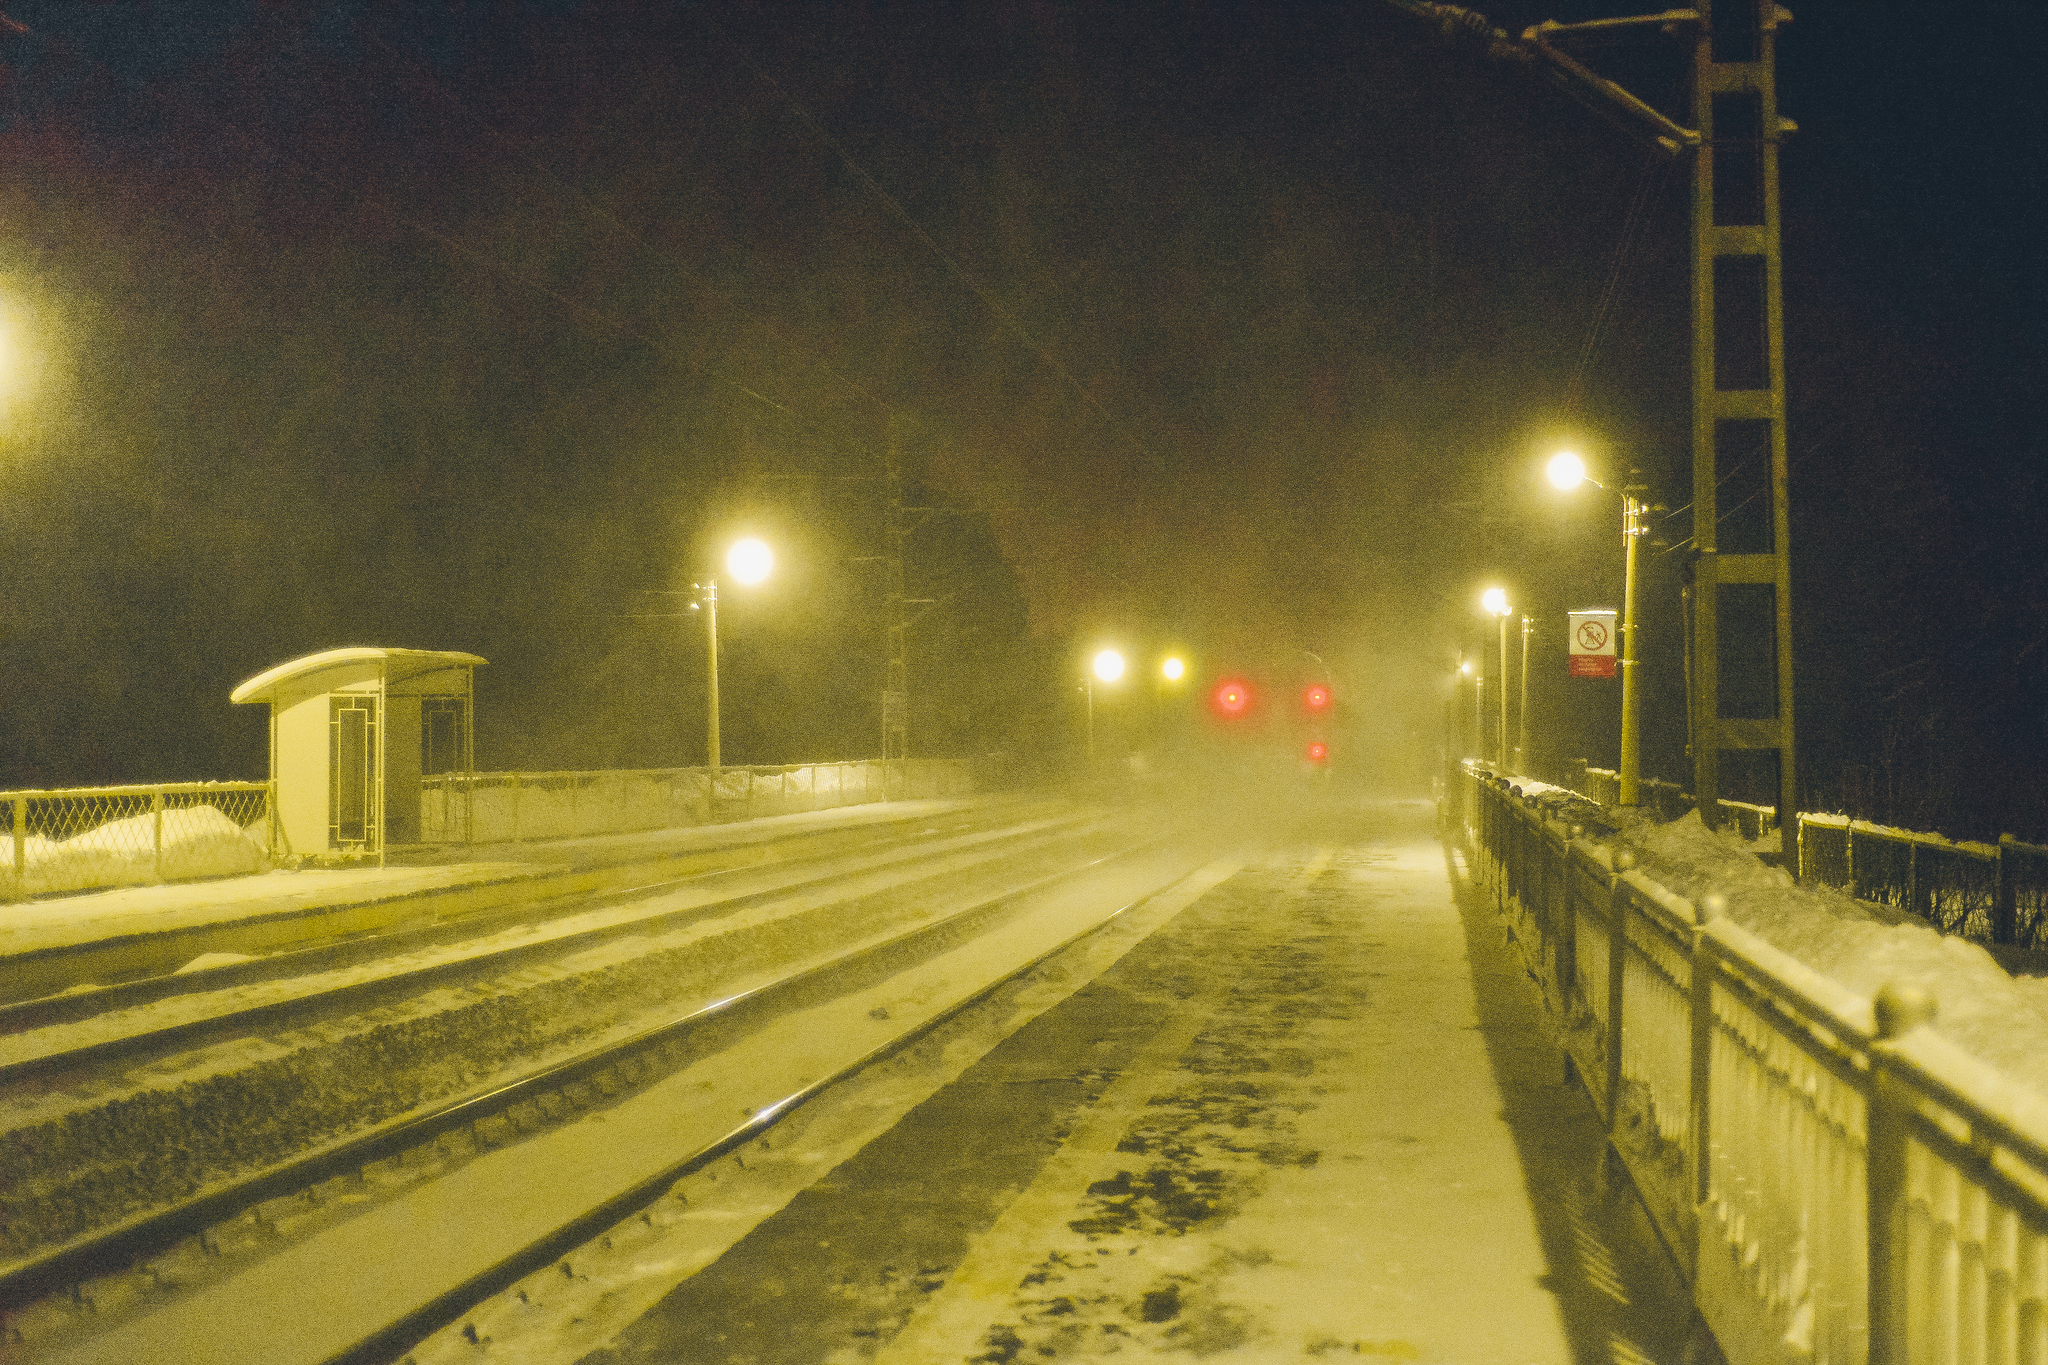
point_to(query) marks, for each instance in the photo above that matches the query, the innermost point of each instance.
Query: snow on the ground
(198, 841)
(1999, 1018)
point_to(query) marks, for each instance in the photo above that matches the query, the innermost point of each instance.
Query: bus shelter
(352, 732)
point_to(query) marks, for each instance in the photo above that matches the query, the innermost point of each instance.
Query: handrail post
(1709, 908)
(1898, 1010)
(1617, 963)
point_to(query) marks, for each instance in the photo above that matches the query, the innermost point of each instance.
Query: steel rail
(250, 1018)
(118, 1247)
(391, 1341)
(21, 1016)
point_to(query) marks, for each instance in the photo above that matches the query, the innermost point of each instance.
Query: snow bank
(1999, 1018)
(198, 841)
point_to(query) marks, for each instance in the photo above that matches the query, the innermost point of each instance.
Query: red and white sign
(1592, 640)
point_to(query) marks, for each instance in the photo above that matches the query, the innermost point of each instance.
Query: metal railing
(1995, 893)
(1839, 1184)
(80, 838)
(488, 808)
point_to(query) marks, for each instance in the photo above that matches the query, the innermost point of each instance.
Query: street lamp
(1495, 600)
(1566, 472)
(748, 562)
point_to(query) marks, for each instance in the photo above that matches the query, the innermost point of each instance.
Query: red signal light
(1318, 752)
(1316, 697)
(1232, 698)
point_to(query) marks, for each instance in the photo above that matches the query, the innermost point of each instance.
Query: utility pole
(1738, 365)
(1738, 376)
(896, 678)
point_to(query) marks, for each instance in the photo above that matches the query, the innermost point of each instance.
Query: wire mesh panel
(1783, 1245)
(1959, 886)
(1824, 850)
(82, 839)
(2025, 867)
(1882, 866)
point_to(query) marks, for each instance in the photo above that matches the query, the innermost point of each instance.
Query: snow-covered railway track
(61, 1036)
(137, 1257)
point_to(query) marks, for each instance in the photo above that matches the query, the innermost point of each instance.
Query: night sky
(1235, 329)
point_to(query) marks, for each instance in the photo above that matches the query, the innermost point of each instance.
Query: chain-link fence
(81, 838)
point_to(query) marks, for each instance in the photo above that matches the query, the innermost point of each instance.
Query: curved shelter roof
(398, 664)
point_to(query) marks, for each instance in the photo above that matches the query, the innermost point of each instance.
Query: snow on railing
(1996, 893)
(78, 838)
(1841, 1184)
(481, 808)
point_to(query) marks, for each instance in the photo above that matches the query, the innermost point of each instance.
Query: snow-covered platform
(62, 942)
(1315, 1113)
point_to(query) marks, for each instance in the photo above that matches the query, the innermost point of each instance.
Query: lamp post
(1496, 601)
(1522, 712)
(747, 562)
(1567, 471)
(1107, 666)
(1478, 675)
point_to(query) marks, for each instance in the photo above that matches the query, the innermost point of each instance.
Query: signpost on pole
(1591, 652)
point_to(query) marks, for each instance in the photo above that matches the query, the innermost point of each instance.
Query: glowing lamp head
(1495, 600)
(1318, 752)
(1232, 698)
(1108, 665)
(1466, 668)
(1565, 470)
(1172, 670)
(1316, 698)
(749, 561)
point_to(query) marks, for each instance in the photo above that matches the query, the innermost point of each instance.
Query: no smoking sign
(1591, 639)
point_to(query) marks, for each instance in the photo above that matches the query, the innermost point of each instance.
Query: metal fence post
(2005, 910)
(156, 814)
(20, 847)
(1913, 877)
(1897, 1010)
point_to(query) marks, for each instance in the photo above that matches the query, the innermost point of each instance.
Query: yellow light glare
(749, 561)
(1566, 470)
(1109, 665)
(1495, 600)
(1466, 668)
(1172, 669)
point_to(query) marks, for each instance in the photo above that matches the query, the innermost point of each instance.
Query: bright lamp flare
(749, 561)
(1495, 601)
(1109, 665)
(1566, 470)
(1172, 670)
